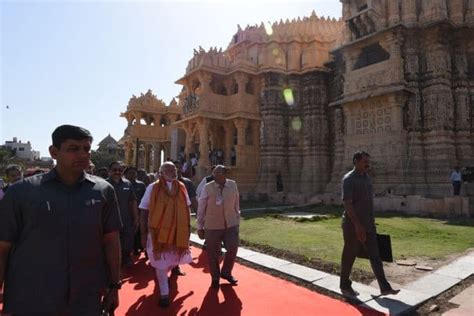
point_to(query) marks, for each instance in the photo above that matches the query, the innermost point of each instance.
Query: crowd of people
(66, 234)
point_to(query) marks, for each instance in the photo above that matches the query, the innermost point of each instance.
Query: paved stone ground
(411, 295)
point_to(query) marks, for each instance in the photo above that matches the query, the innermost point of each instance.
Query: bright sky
(79, 62)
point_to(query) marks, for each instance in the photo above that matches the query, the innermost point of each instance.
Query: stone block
(331, 283)
(460, 269)
(302, 272)
(266, 261)
(432, 284)
(403, 302)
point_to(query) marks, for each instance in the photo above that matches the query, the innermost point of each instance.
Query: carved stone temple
(298, 98)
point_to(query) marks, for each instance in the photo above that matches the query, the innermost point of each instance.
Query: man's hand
(361, 233)
(201, 233)
(110, 301)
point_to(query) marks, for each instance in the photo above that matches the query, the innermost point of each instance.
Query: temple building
(295, 99)
(147, 138)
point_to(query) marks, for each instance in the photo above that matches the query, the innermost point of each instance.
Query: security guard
(59, 236)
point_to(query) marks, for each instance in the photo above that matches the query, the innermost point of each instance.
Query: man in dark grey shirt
(358, 225)
(59, 241)
(128, 209)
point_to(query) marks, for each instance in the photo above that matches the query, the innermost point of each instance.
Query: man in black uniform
(139, 188)
(59, 240)
(128, 209)
(358, 225)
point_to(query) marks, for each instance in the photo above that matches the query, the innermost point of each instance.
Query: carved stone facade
(412, 109)
(147, 138)
(297, 98)
(234, 101)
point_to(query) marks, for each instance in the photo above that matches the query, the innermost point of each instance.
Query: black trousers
(352, 246)
(457, 187)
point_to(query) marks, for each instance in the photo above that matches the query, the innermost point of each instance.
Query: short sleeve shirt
(125, 195)
(358, 188)
(57, 233)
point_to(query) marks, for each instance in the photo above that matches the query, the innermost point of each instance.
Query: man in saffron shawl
(165, 226)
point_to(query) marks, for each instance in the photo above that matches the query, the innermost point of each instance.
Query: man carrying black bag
(358, 225)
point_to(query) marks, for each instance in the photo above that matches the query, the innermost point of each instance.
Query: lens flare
(296, 123)
(268, 28)
(288, 95)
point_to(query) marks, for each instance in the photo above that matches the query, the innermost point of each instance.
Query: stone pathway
(411, 295)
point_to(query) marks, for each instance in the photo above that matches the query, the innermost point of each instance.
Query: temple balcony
(363, 23)
(150, 132)
(222, 106)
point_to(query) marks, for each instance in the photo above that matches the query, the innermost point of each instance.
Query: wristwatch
(115, 285)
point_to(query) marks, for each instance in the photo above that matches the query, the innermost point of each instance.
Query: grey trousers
(214, 237)
(352, 247)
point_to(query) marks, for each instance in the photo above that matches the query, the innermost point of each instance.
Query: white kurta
(167, 260)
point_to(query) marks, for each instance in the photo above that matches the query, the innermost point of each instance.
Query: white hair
(166, 164)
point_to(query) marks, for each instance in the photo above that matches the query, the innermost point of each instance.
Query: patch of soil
(442, 300)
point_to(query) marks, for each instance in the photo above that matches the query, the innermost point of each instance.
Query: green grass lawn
(322, 239)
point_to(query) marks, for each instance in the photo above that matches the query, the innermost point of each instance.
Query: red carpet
(257, 294)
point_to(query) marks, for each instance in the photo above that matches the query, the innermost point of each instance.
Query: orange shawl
(169, 220)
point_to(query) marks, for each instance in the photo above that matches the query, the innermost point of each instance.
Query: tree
(103, 159)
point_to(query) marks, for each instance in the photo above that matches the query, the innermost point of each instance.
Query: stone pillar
(229, 84)
(156, 156)
(203, 126)
(205, 80)
(470, 13)
(128, 153)
(394, 12)
(147, 157)
(241, 125)
(189, 148)
(409, 12)
(456, 11)
(229, 143)
(138, 118)
(242, 80)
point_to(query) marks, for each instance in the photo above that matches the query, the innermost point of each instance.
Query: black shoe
(389, 291)
(164, 301)
(349, 292)
(230, 279)
(177, 271)
(215, 284)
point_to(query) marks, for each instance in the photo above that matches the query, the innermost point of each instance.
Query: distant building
(111, 146)
(22, 150)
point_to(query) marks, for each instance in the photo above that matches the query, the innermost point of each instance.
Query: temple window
(371, 54)
(163, 122)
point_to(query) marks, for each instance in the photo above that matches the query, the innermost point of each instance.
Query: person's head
(71, 148)
(179, 166)
(130, 173)
(456, 168)
(142, 176)
(361, 161)
(102, 172)
(219, 174)
(168, 171)
(91, 168)
(13, 173)
(115, 171)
